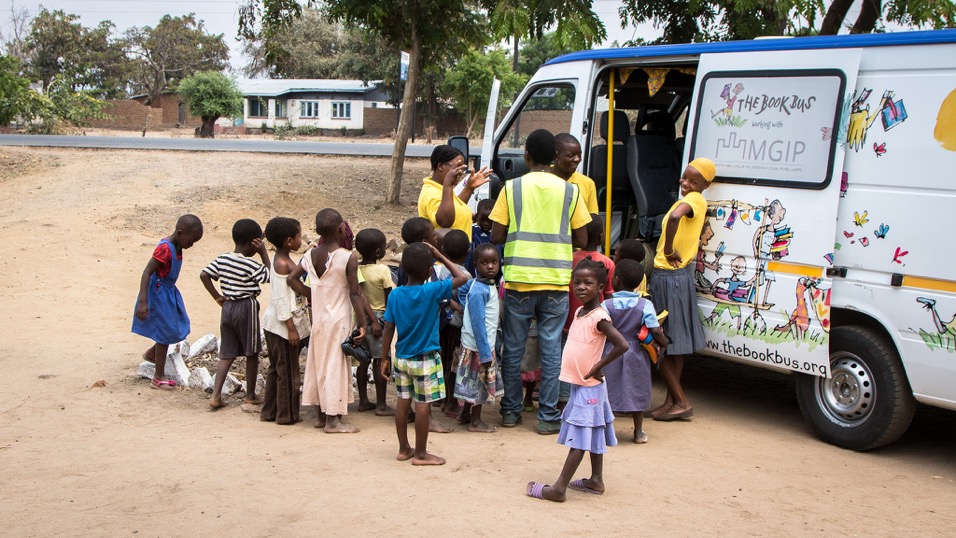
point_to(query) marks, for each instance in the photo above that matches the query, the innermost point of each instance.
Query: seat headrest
(657, 122)
(621, 126)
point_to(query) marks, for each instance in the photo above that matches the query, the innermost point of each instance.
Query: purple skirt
(588, 422)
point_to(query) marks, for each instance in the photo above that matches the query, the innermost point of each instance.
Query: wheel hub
(849, 394)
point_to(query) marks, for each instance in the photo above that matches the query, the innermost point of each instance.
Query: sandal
(162, 384)
(529, 408)
(578, 485)
(535, 489)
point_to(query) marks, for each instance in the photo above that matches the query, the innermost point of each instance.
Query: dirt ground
(78, 226)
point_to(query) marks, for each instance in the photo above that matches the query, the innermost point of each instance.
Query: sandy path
(77, 228)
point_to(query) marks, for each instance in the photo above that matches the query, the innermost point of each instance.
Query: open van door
(775, 125)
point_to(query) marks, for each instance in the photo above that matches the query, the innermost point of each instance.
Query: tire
(867, 402)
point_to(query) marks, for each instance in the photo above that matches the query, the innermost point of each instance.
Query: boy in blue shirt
(413, 312)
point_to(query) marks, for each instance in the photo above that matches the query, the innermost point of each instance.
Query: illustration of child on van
(731, 291)
(771, 242)
(726, 114)
(944, 336)
(703, 284)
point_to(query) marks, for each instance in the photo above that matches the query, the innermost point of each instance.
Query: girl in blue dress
(160, 311)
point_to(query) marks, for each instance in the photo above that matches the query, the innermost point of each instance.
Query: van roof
(925, 37)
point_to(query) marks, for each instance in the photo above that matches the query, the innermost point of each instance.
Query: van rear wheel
(866, 402)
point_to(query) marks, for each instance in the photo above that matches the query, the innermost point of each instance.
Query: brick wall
(125, 114)
(384, 121)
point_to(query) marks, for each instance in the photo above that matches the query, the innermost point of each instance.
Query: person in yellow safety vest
(539, 218)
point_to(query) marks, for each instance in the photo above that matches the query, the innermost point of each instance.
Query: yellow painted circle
(945, 131)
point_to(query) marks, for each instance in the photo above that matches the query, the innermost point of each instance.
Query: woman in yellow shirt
(438, 202)
(673, 286)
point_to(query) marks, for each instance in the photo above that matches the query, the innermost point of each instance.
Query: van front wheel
(866, 402)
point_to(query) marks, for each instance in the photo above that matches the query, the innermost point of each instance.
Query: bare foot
(640, 438)
(405, 455)
(254, 400)
(437, 427)
(384, 411)
(320, 422)
(215, 405)
(340, 427)
(429, 459)
(453, 412)
(367, 406)
(149, 355)
(481, 427)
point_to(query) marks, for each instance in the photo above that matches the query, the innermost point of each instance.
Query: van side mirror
(461, 144)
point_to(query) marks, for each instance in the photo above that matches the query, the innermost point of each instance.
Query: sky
(222, 16)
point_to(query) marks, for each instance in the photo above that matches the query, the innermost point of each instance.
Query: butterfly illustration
(897, 257)
(829, 258)
(865, 241)
(880, 232)
(859, 219)
(880, 149)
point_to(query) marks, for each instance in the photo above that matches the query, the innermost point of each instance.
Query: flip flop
(529, 408)
(579, 486)
(535, 489)
(165, 384)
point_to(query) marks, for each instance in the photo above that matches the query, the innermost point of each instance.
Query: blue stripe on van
(925, 37)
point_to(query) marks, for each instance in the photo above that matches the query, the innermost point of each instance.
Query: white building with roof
(321, 103)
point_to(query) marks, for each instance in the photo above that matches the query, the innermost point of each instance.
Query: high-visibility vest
(538, 249)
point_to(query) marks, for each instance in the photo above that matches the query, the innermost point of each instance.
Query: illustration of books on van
(893, 112)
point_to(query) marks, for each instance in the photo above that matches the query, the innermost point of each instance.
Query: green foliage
(175, 49)
(211, 94)
(469, 82)
(537, 52)
(13, 90)
(576, 25)
(61, 105)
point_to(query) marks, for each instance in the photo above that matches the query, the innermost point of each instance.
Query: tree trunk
(208, 127)
(835, 16)
(866, 20)
(514, 57)
(393, 191)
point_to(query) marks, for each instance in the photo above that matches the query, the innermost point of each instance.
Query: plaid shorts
(419, 378)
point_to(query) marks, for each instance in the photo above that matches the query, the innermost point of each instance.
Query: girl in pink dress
(587, 424)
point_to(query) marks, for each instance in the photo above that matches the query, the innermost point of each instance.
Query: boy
(566, 161)
(595, 230)
(416, 230)
(376, 283)
(456, 248)
(239, 277)
(413, 312)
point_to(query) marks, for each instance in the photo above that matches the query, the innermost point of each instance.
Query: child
(531, 367)
(479, 375)
(239, 277)
(480, 232)
(455, 248)
(595, 230)
(587, 424)
(632, 249)
(412, 312)
(336, 295)
(377, 283)
(416, 230)
(286, 324)
(629, 379)
(160, 312)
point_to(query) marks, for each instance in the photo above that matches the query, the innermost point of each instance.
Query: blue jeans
(550, 308)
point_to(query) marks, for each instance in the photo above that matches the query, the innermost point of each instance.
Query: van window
(548, 106)
(774, 128)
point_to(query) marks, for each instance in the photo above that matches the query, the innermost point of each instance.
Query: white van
(826, 251)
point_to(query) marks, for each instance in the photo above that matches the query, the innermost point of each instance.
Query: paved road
(196, 144)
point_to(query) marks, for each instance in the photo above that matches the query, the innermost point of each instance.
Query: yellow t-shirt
(580, 217)
(375, 279)
(587, 189)
(687, 238)
(430, 199)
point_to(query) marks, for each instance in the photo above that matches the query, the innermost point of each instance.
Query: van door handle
(836, 271)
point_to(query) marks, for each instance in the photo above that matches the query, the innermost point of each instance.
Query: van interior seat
(652, 169)
(598, 164)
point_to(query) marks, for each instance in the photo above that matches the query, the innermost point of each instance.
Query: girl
(629, 379)
(333, 274)
(587, 424)
(160, 311)
(286, 325)
(479, 375)
(674, 288)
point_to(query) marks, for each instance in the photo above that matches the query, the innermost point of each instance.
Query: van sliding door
(771, 122)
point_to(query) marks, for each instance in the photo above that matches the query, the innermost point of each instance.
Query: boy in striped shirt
(239, 277)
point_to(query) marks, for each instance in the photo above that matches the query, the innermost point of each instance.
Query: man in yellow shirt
(539, 218)
(566, 162)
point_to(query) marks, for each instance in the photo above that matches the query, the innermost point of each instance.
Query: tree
(176, 48)
(535, 53)
(13, 86)
(470, 79)
(210, 95)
